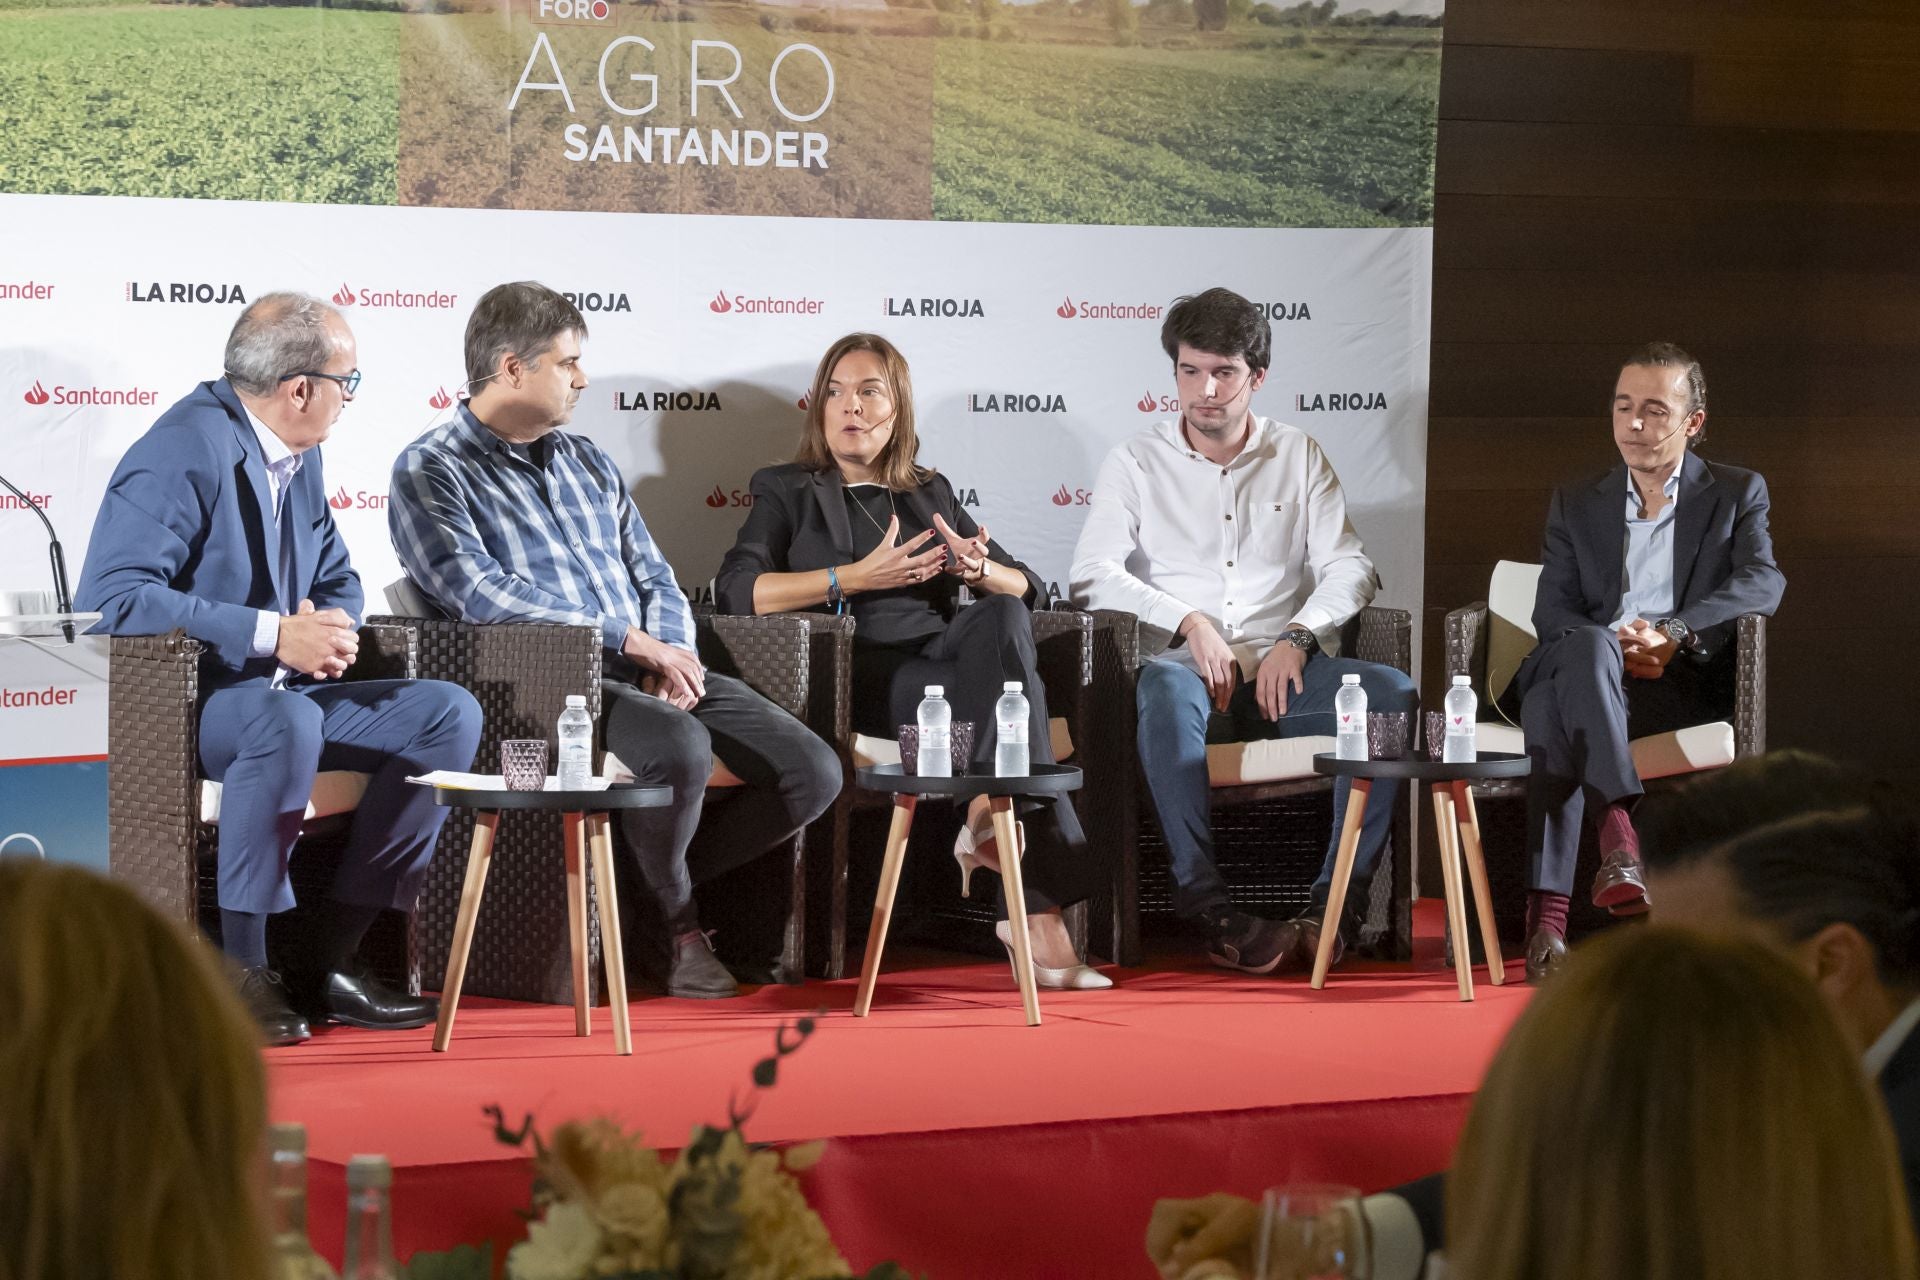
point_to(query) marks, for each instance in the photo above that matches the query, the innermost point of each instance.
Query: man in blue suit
(216, 523)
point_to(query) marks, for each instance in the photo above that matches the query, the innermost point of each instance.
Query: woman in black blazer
(855, 524)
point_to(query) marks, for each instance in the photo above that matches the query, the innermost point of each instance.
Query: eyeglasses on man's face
(349, 382)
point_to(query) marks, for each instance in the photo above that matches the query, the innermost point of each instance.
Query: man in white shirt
(1227, 534)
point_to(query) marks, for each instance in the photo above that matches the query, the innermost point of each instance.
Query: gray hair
(278, 334)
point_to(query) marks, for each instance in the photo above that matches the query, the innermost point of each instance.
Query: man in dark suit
(1645, 571)
(216, 523)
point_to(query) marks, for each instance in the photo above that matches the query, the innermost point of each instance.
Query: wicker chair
(162, 823)
(1270, 837)
(1474, 633)
(522, 673)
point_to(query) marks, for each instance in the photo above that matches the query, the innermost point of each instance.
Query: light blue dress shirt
(1646, 588)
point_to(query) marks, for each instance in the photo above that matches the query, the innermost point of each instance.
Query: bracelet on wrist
(836, 594)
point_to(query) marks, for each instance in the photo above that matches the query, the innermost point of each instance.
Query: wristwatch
(1675, 630)
(1300, 638)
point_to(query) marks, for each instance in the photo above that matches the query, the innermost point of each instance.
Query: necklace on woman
(868, 514)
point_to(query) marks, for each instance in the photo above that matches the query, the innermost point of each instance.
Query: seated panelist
(216, 523)
(855, 524)
(500, 516)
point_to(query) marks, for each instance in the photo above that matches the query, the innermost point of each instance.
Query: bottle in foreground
(293, 1254)
(936, 734)
(1011, 757)
(370, 1220)
(1463, 709)
(576, 744)
(1350, 720)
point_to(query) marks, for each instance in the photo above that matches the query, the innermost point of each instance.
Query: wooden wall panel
(1743, 180)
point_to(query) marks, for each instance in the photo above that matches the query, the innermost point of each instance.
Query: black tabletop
(1491, 764)
(621, 795)
(1043, 780)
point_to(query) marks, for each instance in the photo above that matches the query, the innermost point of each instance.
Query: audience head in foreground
(132, 1098)
(1677, 1107)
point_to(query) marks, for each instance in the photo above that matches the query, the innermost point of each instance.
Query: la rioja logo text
(1016, 402)
(943, 308)
(1339, 401)
(180, 291)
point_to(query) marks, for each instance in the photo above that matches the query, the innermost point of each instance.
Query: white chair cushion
(1659, 755)
(1510, 634)
(335, 791)
(869, 750)
(1234, 764)
(613, 770)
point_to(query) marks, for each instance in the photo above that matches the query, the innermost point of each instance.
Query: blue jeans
(1177, 722)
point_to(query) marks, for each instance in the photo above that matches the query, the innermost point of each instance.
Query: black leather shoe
(355, 998)
(1620, 886)
(1249, 943)
(265, 995)
(1546, 952)
(1310, 943)
(695, 973)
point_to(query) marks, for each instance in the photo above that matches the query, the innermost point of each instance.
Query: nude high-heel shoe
(975, 847)
(1078, 977)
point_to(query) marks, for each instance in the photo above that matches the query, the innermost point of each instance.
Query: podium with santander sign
(53, 735)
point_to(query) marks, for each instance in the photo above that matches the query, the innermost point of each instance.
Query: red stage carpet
(963, 1144)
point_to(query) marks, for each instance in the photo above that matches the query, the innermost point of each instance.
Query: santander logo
(1062, 498)
(343, 296)
(341, 501)
(1147, 404)
(38, 395)
(716, 498)
(440, 399)
(1066, 310)
(805, 400)
(720, 305)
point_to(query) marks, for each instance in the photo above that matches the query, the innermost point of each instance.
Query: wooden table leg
(1469, 826)
(608, 899)
(1447, 834)
(574, 826)
(1006, 833)
(1342, 872)
(479, 855)
(890, 865)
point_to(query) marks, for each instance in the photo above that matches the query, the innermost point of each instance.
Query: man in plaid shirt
(499, 516)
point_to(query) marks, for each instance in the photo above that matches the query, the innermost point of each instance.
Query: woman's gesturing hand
(888, 566)
(969, 554)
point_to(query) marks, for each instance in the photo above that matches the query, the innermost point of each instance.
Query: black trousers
(1579, 709)
(791, 776)
(988, 643)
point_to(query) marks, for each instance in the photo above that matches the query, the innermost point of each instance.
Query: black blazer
(1722, 558)
(798, 523)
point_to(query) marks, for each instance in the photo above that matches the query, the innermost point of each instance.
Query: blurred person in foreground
(132, 1097)
(1677, 1106)
(854, 523)
(216, 523)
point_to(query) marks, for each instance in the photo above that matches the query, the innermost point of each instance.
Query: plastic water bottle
(1462, 710)
(576, 744)
(1010, 743)
(1350, 720)
(936, 734)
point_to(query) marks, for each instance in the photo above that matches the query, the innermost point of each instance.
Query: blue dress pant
(1177, 721)
(264, 746)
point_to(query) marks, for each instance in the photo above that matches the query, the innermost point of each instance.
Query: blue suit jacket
(185, 538)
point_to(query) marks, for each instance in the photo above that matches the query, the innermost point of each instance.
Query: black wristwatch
(1300, 638)
(1675, 630)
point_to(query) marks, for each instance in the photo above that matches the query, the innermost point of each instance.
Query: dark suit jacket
(1722, 559)
(798, 523)
(185, 538)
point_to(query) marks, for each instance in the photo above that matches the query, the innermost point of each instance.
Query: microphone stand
(62, 597)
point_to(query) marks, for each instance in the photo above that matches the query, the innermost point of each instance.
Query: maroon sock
(1617, 833)
(1547, 910)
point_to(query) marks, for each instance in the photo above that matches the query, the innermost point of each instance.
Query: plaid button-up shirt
(491, 536)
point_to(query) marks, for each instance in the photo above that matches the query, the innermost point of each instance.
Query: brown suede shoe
(1546, 951)
(1620, 886)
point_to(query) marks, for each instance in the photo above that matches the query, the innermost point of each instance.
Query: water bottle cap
(1349, 679)
(1012, 686)
(1459, 681)
(936, 691)
(576, 700)
(288, 1137)
(369, 1171)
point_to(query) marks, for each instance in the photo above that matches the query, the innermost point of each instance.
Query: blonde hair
(132, 1095)
(895, 467)
(1675, 1107)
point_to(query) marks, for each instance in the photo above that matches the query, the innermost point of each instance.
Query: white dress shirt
(1256, 544)
(1646, 589)
(282, 465)
(1882, 1050)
